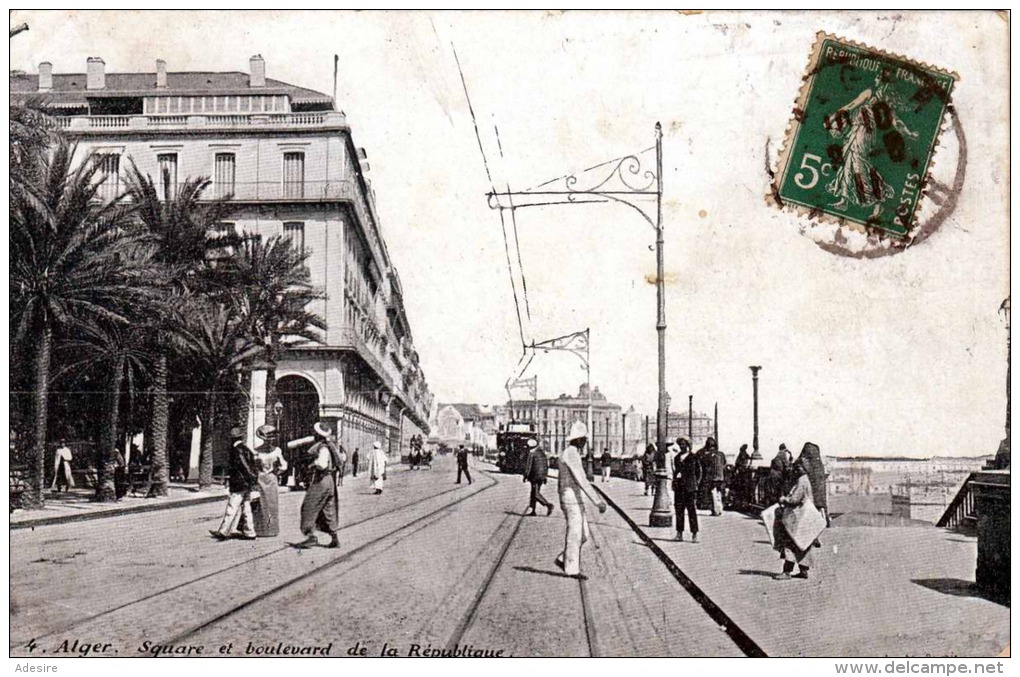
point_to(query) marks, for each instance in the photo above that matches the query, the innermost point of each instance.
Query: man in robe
(377, 467)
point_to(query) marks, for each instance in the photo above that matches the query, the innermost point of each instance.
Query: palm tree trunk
(33, 497)
(271, 417)
(106, 490)
(205, 460)
(242, 410)
(160, 424)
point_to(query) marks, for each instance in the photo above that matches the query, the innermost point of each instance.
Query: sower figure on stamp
(536, 471)
(320, 508)
(572, 484)
(243, 481)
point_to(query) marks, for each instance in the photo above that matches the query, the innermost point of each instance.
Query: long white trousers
(238, 505)
(577, 534)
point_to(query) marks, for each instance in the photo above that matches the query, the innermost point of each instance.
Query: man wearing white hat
(377, 467)
(572, 484)
(320, 508)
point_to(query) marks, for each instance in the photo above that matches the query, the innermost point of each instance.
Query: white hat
(532, 443)
(577, 431)
(321, 430)
(376, 445)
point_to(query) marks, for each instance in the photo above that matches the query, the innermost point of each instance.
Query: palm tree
(71, 272)
(269, 281)
(182, 230)
(220, 348)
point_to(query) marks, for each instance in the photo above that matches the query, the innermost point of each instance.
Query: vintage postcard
(510, 334)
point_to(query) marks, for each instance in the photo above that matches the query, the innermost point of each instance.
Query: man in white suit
(572, 485)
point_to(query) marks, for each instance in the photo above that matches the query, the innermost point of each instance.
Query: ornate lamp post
(662, 511)
(756, 455)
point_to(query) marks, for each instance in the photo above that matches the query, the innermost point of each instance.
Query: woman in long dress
(798, 500)
(270, 463)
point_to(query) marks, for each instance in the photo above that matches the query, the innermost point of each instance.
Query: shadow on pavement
(557, 574)
(960, 588)
(757, 572)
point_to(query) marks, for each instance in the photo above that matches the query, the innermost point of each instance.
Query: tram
(512, 447)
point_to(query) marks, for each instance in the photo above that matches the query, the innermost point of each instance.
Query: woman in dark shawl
(811, 459)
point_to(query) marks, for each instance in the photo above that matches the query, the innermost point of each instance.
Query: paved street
(432, 565)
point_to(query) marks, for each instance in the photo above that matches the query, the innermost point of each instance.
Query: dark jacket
(716, 471)
(687, 474)
(462, 458)
(780, 466)
(536, 467)
(243, 474)
(607, 460)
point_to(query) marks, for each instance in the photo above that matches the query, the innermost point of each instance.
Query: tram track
(736, 634)
(230, 569)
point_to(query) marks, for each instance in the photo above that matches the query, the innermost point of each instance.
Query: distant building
(555, 416)
(472, 425)
(703, 427)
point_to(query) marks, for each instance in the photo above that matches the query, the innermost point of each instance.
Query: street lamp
(662, 511)
(277, 411)
(756, 455)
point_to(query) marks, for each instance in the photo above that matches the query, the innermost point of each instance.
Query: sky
(897, 355)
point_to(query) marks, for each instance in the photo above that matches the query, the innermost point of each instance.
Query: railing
(960, 513)
(101, 123)
(748, 488)
(306, 191)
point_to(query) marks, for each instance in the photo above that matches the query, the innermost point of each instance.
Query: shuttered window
(294, 175)
(295, 230)
(167, 163)
(109, 173)
(223, 178)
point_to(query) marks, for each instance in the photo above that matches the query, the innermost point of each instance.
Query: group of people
(253, 505)
(418, 457)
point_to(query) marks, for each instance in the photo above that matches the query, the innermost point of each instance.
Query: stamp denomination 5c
(865, 127)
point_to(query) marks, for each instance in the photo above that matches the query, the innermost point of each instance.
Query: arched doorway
(300, 412)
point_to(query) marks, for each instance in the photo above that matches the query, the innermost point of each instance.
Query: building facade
(472, 425)
(552, 419)
(287, 157)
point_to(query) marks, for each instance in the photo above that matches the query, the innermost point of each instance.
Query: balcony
(336, 190)
(104, 124)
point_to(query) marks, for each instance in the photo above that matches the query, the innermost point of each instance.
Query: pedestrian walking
(573, 485)
(648, 469)
(811, 458)
(377, 467)
(797, 526)
(686, 480)
(242, 484)
(320, 508)
(269, 463)
(62, 476)
(715, 475)
(536, 471)
(607, 464)
(462, 464)
(355, 458)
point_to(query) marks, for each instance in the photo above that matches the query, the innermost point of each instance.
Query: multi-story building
(287, 157)
(680, 424)
(552, 419)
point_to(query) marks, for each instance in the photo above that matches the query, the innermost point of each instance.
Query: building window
(295, 230)
(167, 163)
(109, 172)
(294, 175)
(224, 174)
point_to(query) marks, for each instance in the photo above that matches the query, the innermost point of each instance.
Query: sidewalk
(874, 591)
(77, 505)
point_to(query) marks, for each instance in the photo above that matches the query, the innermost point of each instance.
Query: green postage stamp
(865, 126)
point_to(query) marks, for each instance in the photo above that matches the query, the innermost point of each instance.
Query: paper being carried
(803, 524)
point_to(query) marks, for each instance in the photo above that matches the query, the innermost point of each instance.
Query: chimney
(160, 74)
(45, 76)
(95, 75)
(258, 71)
